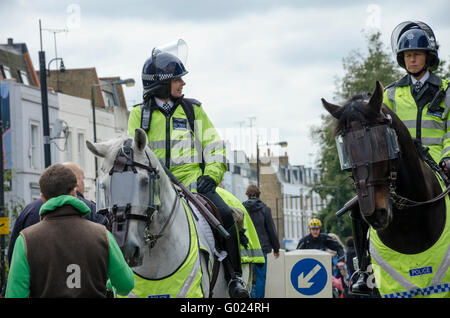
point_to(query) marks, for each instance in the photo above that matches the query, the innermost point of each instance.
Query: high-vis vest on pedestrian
(174, 145)
(422, 275)
(435, 127)
(184, 283)
(253, 253)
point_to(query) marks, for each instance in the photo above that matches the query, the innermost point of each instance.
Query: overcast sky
(272, 60)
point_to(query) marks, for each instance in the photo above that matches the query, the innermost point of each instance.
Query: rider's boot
(233, 269)
(360, 228)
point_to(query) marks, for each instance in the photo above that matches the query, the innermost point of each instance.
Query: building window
(34, 146)
(35, 192)
(109, 98)
(24, 77)
(6, 72)
(81, 150)
(68, 152)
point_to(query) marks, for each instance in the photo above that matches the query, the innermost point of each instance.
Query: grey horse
(169, 248)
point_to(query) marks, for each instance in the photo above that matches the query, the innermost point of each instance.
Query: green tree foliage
(361, 71)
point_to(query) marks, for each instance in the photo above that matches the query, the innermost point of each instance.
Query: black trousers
(224, 209)
(359, 229)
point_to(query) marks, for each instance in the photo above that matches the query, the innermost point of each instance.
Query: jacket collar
(406, 80)
(57, 202)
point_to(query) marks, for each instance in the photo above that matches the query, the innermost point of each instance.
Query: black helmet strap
(417, 74)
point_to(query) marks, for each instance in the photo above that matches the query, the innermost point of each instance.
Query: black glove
(243, 238)
(206, 184)
(445, 166)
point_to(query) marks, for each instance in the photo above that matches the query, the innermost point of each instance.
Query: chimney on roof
(10, 41)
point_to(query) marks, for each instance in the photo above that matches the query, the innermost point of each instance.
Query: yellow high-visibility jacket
(174, 145)
(433, 128)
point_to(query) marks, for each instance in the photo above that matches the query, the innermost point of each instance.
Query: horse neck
(416, 180)
(415, 229)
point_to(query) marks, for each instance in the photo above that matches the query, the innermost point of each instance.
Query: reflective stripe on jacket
(435, 127)
(419, 275)
(172, 142)
(184, 283)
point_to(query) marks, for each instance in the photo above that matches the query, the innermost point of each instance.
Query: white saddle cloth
(205, 228)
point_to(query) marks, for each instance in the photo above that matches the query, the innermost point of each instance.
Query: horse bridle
(362, 184)
(359, 148)
(124, 161)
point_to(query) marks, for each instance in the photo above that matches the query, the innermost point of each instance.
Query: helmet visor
(405, 26)
(398, 31)
(178, 48)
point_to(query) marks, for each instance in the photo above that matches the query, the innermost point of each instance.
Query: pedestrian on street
(65, 255)
(30, 214)
(268, 237)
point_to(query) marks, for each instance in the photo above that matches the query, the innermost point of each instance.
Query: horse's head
(128, 190)
(368, 147)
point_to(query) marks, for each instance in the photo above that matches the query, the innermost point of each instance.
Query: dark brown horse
(399, 196)
(381, 178)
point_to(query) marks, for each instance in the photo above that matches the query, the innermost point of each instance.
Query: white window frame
(68, 153)
(81, 153)
(35, 142)
(108, 97)
(6, 72)
(24, 77)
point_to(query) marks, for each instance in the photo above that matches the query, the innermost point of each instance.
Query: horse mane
(357, 109)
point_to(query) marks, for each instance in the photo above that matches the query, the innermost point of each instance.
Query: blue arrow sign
(309, 276)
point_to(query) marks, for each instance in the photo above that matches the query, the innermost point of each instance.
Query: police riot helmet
(415, 35)
(158, 71)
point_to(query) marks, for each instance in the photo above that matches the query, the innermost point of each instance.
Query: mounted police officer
(184, 140)
(420, 99)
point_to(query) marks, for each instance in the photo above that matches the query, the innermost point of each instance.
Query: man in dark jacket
(263, 222)
(321, 241)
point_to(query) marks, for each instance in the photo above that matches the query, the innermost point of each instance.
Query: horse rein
(151, 239)
(404, 203)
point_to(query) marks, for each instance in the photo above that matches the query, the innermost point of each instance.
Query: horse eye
(144, 182)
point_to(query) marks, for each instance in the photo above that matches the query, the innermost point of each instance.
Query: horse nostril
(136, 253)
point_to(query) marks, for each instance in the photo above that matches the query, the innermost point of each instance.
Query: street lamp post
(62, 69)
(128, 82)
(282, 144)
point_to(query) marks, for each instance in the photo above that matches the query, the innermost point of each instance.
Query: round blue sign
(308, 276)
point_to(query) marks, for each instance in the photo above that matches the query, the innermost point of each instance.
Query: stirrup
(360, 286)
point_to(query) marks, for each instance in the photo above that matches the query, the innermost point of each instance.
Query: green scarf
(65, 199)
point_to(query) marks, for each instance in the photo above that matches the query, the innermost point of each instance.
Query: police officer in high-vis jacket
(421, 101)
(184, 140)
(418, 98)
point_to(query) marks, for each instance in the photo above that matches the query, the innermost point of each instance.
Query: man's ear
(74, 192)
(43, 198)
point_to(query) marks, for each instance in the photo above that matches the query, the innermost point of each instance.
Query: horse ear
(331, 108)
(376, 100)
(140, 139)
(99, 149)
